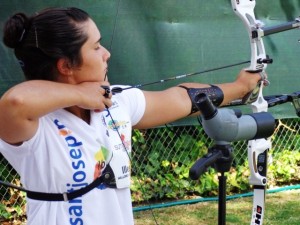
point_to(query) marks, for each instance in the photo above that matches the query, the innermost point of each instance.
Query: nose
(106, 54)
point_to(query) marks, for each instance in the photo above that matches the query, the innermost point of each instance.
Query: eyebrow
(98, 40)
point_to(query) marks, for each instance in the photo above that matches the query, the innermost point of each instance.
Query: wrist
(242, 89)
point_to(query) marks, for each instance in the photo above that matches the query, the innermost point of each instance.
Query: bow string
(107, 91)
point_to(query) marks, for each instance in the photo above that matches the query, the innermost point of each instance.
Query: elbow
(12, 104)
(12, 99)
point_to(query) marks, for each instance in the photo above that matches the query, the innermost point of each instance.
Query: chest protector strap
(106, 178)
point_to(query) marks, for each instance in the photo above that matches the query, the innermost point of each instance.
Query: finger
(107, 102)
(263, 75)
(106, 91)
(264, 78)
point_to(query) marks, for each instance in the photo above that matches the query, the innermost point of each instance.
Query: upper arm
(15, 126)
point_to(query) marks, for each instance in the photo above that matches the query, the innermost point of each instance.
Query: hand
(248, 80)
(95, 97)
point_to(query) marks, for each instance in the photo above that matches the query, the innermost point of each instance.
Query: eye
(98, 46)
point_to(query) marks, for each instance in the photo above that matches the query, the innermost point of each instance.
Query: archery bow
(258, 148)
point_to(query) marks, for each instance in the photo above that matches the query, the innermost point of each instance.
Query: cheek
(91, 62)
(94, 61)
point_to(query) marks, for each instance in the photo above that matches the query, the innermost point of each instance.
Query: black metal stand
(222, 200)
(219, 157)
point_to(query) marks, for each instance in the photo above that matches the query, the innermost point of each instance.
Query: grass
(282, 208)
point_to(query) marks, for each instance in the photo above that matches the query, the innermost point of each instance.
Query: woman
(60, 130)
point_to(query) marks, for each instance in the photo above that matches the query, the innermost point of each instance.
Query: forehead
(92, 31)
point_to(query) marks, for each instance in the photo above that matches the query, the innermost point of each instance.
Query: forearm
(23, 105)
(33, 99)
(175, 103)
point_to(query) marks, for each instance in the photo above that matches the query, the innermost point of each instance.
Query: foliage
(12, 211)
(161, 160)
(283, 170)
(166, 176)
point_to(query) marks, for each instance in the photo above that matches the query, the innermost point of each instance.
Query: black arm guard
(214, 93)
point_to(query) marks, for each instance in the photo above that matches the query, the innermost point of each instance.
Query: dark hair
(40, 40)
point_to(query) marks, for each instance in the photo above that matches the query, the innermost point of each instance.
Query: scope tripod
(220, 157)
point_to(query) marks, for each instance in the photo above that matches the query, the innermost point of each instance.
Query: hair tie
(22, 35)
(22, 64)
(36, 38)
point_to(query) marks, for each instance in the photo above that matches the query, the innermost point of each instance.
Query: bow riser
(258, 148)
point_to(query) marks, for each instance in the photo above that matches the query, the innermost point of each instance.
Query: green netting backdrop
(156, 39)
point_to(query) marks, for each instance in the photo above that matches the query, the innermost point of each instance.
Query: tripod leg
(222, 199)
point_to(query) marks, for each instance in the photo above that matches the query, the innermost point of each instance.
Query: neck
(84, 114)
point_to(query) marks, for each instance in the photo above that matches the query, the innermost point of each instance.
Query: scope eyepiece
(205, 106)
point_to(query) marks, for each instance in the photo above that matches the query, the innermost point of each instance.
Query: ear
(64, 67)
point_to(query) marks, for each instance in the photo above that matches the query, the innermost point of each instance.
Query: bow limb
(245, 10)
(258, 148)
(259, 60)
